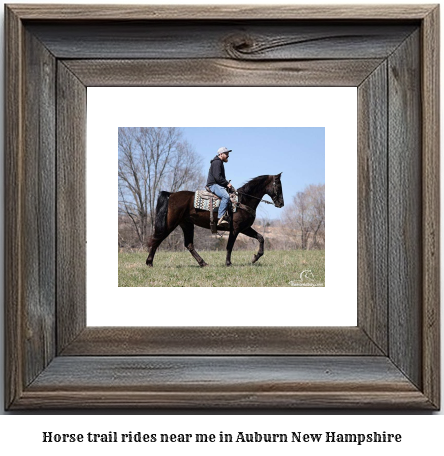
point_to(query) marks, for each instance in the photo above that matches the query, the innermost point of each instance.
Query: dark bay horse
(174, 209)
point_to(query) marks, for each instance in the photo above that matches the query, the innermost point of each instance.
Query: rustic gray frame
(390, 360)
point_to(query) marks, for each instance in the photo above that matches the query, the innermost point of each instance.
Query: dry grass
(179, 269)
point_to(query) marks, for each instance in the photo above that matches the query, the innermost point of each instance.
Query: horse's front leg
(230, 244)
(255, 235)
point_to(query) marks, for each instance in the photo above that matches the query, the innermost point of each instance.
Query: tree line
(152, 159)
(304, 219)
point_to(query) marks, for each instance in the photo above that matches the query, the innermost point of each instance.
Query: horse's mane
(253, 184)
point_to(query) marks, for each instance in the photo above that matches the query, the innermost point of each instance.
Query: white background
(332, 108)
(21, 434)
(419, 433)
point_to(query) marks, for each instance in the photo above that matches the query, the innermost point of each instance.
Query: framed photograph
(294, 260)
(59, 59)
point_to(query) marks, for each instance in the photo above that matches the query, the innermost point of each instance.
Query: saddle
(206, 200)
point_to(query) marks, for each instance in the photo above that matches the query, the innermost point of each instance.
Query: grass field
(179, 269)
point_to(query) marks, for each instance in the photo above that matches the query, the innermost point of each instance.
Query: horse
(177, 209)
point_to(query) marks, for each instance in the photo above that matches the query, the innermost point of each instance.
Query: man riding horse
(178, 209)
(218, 184)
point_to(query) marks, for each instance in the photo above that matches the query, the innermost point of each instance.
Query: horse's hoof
(203, 265)
(228, 264)
(150, 265)
(255, 258)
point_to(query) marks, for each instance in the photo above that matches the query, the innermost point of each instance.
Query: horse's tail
(161, 215)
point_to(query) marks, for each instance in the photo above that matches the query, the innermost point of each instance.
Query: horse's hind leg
(161, 227)
(154, 244)
(188, 235)
(155, 241)
(255, 235)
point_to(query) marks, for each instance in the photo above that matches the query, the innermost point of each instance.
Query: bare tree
(301, 203)
(316, 202)
(152, 159)
(305, 217)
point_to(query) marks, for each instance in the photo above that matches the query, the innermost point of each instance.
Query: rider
(218, 184)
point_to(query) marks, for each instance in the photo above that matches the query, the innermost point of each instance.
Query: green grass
(179, 269)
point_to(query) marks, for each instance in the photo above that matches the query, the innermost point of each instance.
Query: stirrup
(223, 219)
(225, 226)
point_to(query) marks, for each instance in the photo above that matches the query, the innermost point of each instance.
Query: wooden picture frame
(390, 360)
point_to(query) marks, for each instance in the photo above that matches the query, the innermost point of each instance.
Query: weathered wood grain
(373, 207)
(220, 12)
(233, 40)
(407, 377)
(71, 206)
(221, 72)
(430, 94)
(30, 225)
(405, 209)
(233, 382)
(13, 208)
(127, 341)
(39, 207)
(325, 400)
(209, 373)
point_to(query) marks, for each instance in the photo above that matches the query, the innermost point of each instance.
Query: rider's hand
(229, 185)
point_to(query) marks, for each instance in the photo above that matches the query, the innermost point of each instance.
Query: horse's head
(274, 189)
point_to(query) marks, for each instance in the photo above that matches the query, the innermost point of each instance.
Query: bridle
(262, 200)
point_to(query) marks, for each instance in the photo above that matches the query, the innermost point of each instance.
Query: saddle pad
(203, 203)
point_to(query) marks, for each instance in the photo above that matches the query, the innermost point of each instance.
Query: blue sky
(298, 152)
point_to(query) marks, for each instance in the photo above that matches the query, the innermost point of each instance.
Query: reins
(261, 200)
